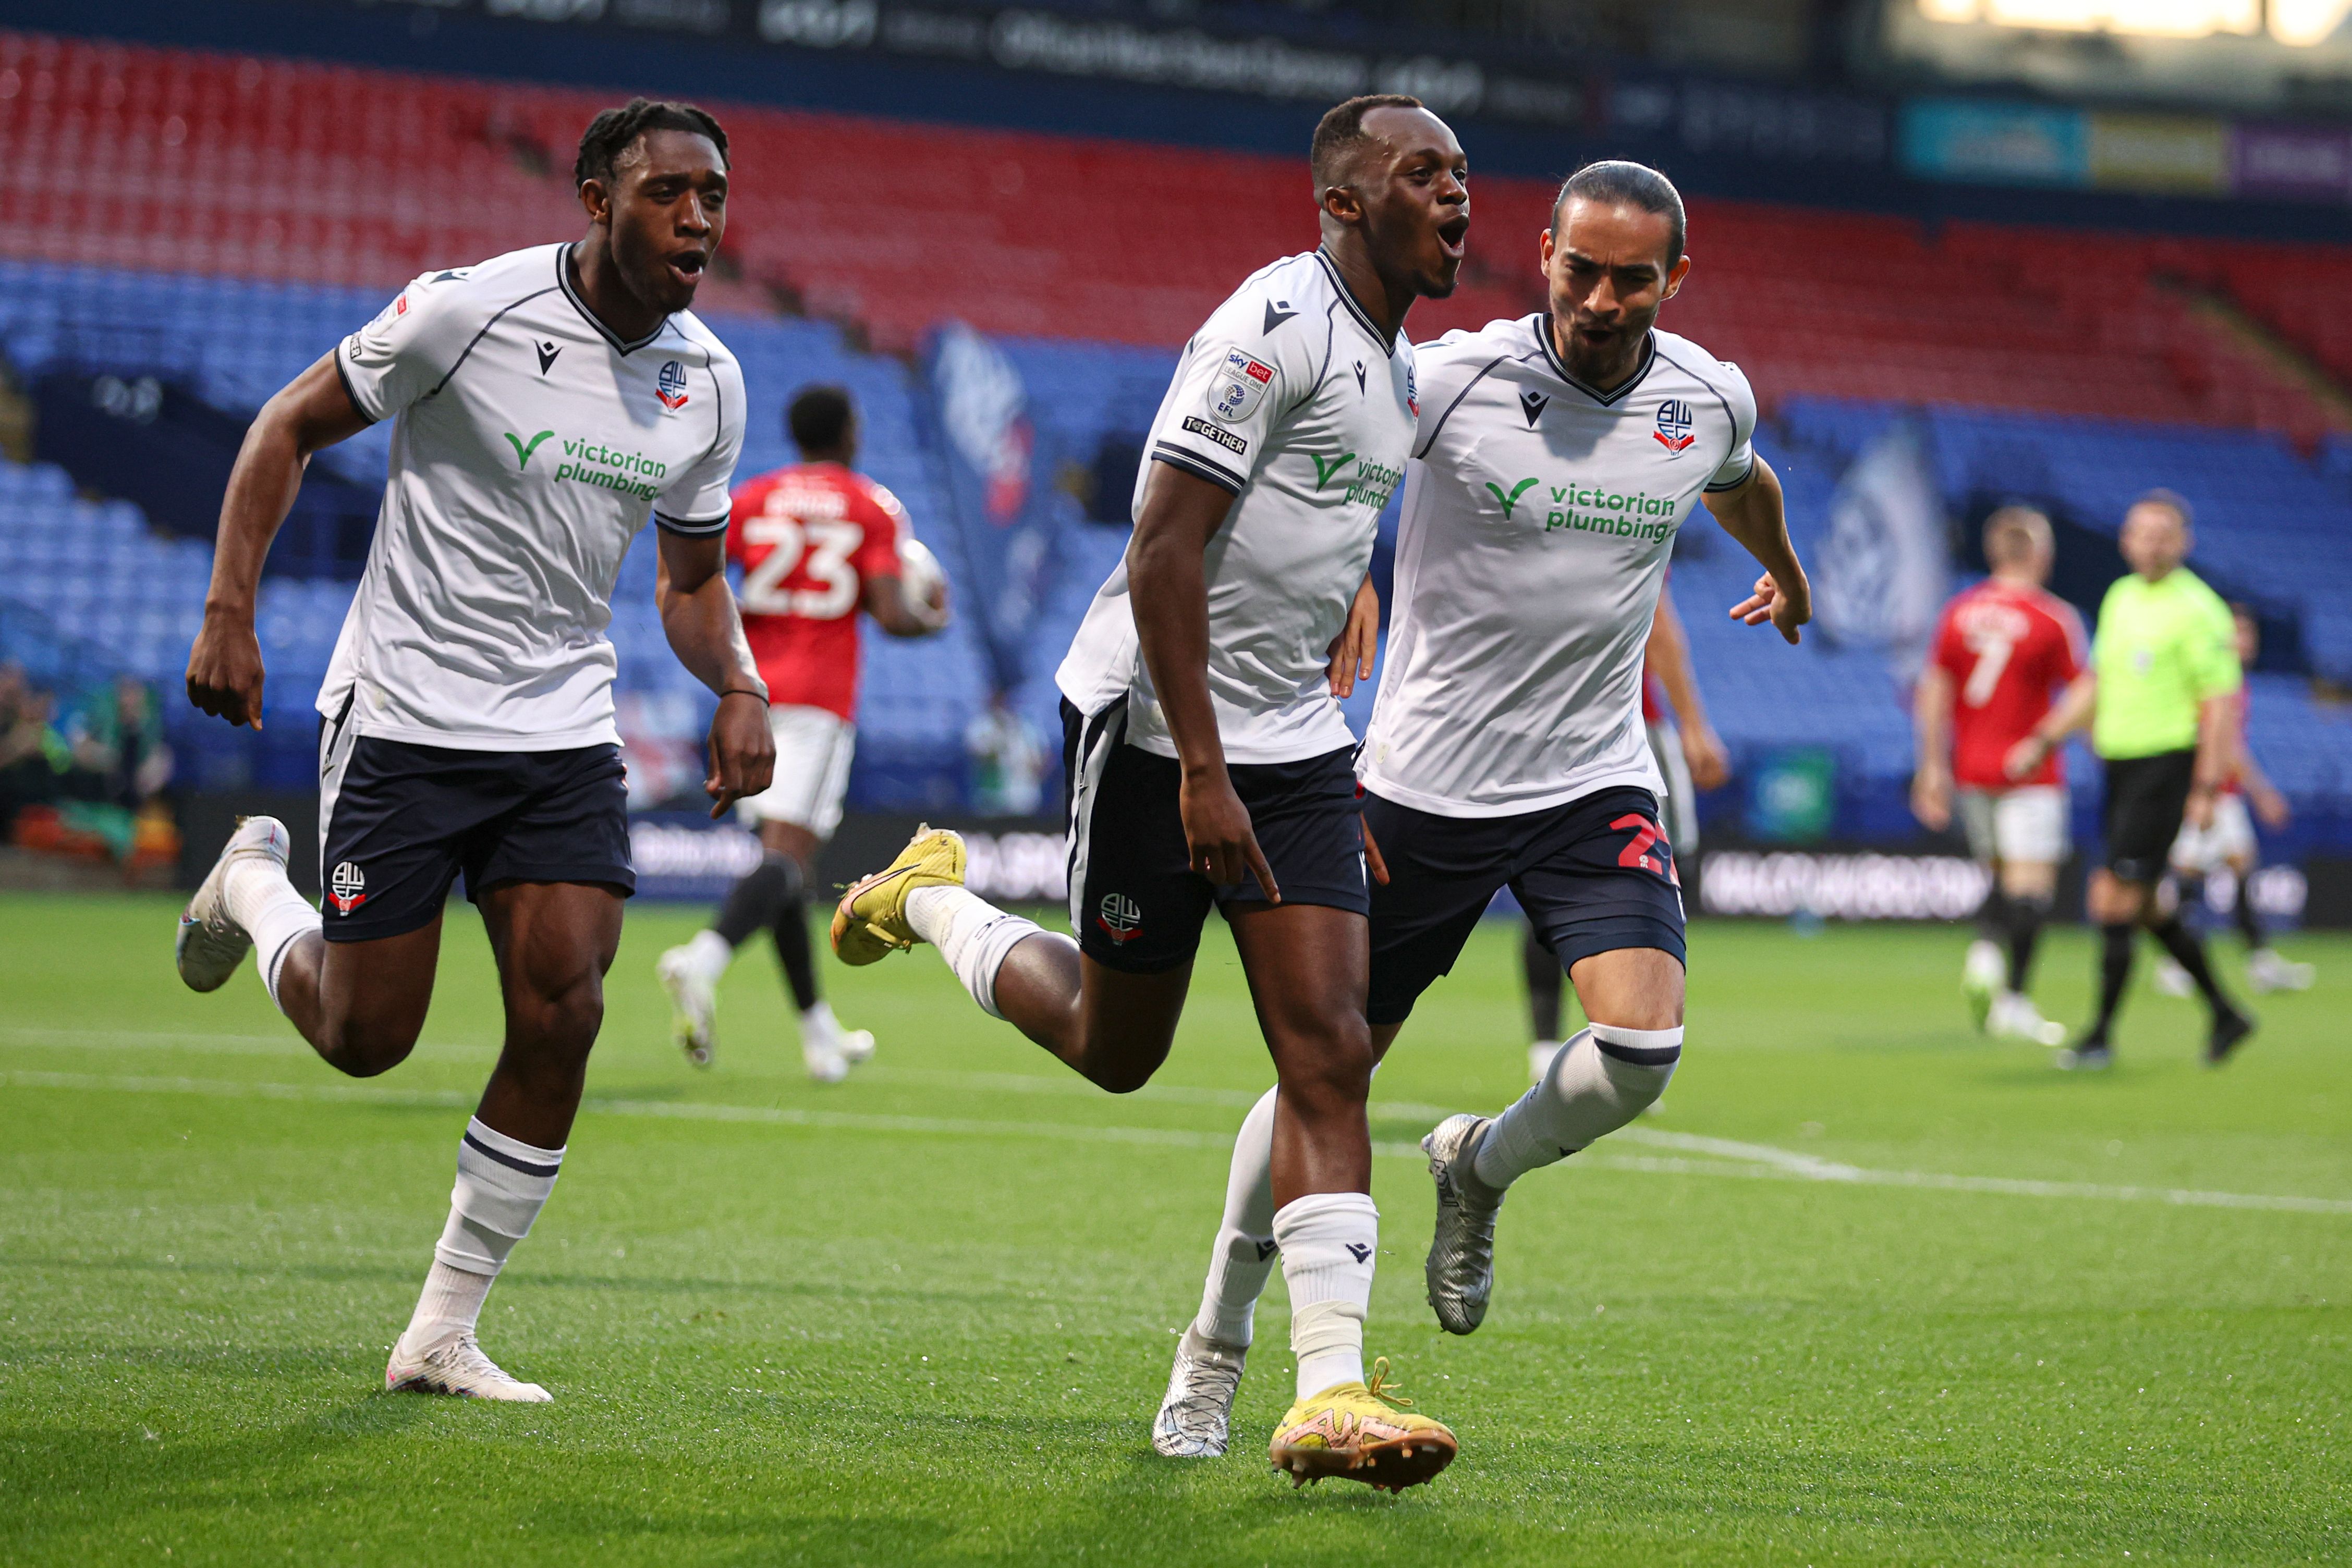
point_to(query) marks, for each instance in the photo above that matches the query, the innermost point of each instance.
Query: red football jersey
(807, 538)
(2007, 650)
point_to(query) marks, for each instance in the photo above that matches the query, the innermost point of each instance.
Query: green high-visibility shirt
(2162, 648)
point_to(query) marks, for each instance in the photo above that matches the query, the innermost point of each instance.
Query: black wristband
(742, 692)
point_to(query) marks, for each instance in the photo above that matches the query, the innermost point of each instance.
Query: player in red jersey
(817, 542)
(2002, 648)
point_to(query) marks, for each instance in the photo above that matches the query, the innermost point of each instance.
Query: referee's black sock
(789, 927)
(2114, 972)
(752, 902)
(2250, 919)
(2189, 954)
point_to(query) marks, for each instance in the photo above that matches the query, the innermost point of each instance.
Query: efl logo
(347, 889)
(672, 387)
(1242, 386)
(1673, 432)
(1121, 917)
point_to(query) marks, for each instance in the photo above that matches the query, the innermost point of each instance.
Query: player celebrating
(2157, 697)
(2228, 841)
(1690, 757)
(2001, 650)
(1208, 763)
(818, 542)
(541, 402)
(1557, 458)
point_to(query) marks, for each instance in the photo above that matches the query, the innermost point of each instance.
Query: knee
(566, 1017)
(1329, 1069)
(367, 1046)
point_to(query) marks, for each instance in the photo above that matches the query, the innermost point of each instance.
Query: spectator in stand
(33, 756)
(116, 740)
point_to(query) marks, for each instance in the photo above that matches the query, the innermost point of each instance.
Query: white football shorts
(813, 745)
(2027, 825)
(2200, 851)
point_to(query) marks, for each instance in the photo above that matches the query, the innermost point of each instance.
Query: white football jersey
(1539, 517)
(1291, 399)
(529, 445)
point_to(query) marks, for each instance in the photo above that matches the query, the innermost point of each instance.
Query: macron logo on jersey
(671, 388)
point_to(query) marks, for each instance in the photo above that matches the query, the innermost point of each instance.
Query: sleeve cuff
(1198, 466)
(350, 390)
(1716, 487)
(693, 527)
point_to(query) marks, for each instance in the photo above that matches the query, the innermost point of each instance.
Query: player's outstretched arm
(1755, 515)
(1168, 586)
(312, 413)
(2073, 711)
(705, 632)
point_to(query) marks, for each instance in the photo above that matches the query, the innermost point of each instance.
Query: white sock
(262, 900)
(502, 1184)
(972, 934)
(1244, 1254)
(708, 954)
(1328, 1241)
(1600, 1079)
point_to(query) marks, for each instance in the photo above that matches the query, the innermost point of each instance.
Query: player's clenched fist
(224, 670)
(742, 750)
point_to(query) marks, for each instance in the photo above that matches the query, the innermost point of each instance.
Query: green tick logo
(1512, 499)
(523, 452)
(1324, 472)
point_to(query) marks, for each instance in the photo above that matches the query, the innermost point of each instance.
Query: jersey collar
(1541, 325)
(563, 281)
(1339, 288)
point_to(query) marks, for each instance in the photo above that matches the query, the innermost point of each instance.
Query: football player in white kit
(1557, 458)
(544, 403)
(1209, 765)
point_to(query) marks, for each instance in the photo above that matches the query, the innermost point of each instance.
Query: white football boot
(693, 1005)
(2266, 971)
(458, 1366)
(211, 943)
(1982, 975)
(1195, 1419)
(2015, 1017)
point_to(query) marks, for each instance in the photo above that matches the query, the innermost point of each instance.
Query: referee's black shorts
(2146, 797)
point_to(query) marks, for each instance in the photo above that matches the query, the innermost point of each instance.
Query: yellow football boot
(870, 922)
(1357, 1430)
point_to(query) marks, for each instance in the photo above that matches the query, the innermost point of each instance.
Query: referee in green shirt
(2164, 666)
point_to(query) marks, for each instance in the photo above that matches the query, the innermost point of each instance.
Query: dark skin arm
(698, 616)
(1168, 587)
(312, 413)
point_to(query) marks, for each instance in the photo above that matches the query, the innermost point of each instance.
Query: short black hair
(2172, 500)
(1340, 133)
(611, 134)
(1619, 180)
(819, 417)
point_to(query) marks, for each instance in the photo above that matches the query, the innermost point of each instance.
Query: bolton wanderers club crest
(1121, 917)
(347, 889)
(1673, 432)
(671, 389)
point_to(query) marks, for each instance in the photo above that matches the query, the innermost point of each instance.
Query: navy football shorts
(1594, 875)
(1136, 903)
(398, 823)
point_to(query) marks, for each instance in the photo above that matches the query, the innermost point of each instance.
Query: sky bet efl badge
(1673, 432)
(1240, 386)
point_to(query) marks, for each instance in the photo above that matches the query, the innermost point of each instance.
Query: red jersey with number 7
(2009, 649)
(807, 538)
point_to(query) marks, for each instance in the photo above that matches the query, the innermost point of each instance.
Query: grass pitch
(1870, 1289)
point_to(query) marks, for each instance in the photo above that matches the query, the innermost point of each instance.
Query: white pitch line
(1785, 1165)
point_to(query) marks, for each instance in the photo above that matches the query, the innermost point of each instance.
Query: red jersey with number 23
(807, 538)
(2008, 648)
